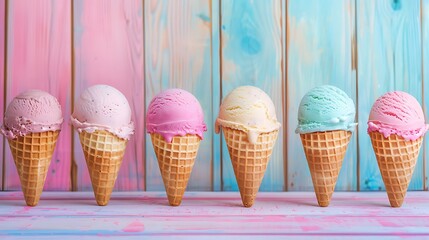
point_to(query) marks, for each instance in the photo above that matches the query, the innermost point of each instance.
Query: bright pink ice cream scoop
(397, 113)
(32, 111)
(175, 112)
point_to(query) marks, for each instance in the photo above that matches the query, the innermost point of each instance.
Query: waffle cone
(325, 152)
(103, 153)
(249, 160)
(32, 154)
(175, 160)
(396, 159)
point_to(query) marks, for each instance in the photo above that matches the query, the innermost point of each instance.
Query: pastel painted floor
(214, 215)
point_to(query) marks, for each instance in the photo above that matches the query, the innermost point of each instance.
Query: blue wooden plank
(425, 44)
(390, 58)
(178, 55)
(252, 55)
(320, 51)
(284, 98)
(216, 94)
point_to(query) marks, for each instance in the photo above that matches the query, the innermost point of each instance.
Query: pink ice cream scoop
(102, 107)
(32, 111)
(175, 112)
(397, 113)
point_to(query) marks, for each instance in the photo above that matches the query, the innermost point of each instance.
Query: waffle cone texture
(249, 160)
(175, 160)
(32, 155)
(325, 152)
(396, 158)
(103, 152)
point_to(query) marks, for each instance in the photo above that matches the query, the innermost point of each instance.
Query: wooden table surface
(213, 215)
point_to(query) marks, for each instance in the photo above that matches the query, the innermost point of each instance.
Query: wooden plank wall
(389, 58)
(216, 94)
(320, 51)
(251, 54)
(38, 56)
(210, 47)
(2, 59)
(108, 49)
(178, 55)
(424, 13)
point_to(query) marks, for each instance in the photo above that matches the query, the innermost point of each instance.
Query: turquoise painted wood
(178, 55)
(39, 57)
(320, 50)
(216, 93)
(252, 55)
(389, 58)
(425, 59)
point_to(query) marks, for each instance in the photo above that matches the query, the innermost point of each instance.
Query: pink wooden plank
(2, 50)
(108, 49)
(214, 213)
(38, 56)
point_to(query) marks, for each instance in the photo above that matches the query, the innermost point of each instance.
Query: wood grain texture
(216, 93)
(425, 60)
(389, 58)
(178, 55)
(2, 82)
(252, 55)
(38, 57)
(210, 47)
(108, 49)
(284, 41)
(202, 214)
(319, 51)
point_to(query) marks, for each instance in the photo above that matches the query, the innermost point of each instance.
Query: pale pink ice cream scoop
(102, 107)
(175, 112)
(32, 111)
(397, 113)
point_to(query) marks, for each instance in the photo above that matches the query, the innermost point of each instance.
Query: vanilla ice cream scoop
(32, 111)
(102, 107)
(248, 109)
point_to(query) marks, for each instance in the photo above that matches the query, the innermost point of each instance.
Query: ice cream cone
(249, 160)
(103, 153)
(175, 160)
(396, 159)
(325, 152)
(32, 154)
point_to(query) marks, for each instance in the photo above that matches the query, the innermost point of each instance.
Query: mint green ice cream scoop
(326, 108)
